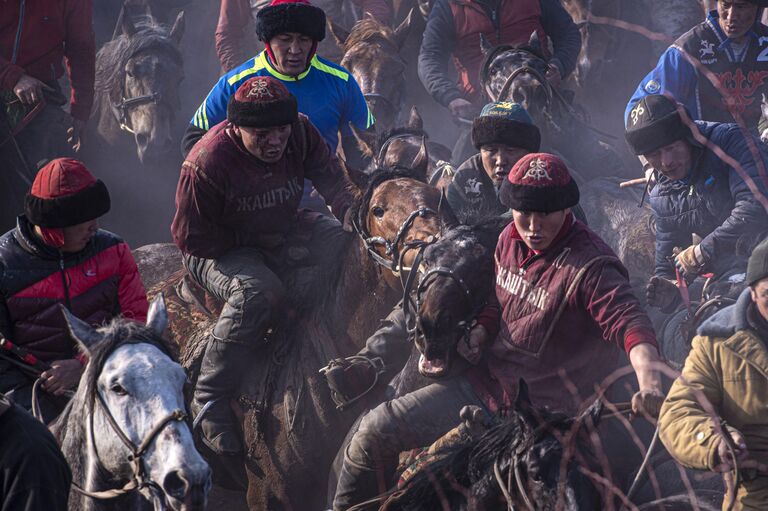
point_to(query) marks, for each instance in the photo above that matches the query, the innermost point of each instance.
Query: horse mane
(463, 472)
(112, 57)
(369, 31)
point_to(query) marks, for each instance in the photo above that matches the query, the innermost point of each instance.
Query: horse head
(136, 428)
(371, 54)
(399, 146)
(457, 276)
(140, 71)
(517, 73)
(396, 211)
(552, 449)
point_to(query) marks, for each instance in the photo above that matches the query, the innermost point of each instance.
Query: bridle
(381, 155)
(122, 108)
(139, 478)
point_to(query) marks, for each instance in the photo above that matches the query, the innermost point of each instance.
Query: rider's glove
(662, 294)
(690, 262)
(351, 378)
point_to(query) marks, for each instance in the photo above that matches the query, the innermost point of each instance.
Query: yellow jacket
(728, 365)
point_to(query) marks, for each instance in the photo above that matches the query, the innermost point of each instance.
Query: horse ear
(363, 143)
(592, 415)
(402, 31)
(420, 162)
(127, 26)
(177, 31)
(485, 44)
(523, 399)
(415, 122)
(356, 177)
(85, 335)
(534, 42)
(157, 317)
(448, 218)
(338, 32)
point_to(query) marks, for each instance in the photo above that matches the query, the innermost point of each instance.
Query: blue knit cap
(506, 123)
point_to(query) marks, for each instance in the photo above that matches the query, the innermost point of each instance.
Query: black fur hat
(653, 123)
(282, 16)
(505, 123)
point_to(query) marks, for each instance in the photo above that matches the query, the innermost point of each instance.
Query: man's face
(498, 160)
(538, 230)
(76, 237)
(266, 144)
(736, 17)
(672, 160)
(291, 51)
(760, 296)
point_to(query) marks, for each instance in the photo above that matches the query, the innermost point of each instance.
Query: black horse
(530, 459)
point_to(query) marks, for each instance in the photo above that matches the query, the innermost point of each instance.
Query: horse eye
(378, 211)
(118, 389)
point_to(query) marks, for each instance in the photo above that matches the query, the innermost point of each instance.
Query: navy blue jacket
(713, 201)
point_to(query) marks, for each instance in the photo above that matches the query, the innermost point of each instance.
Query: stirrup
(376, 363)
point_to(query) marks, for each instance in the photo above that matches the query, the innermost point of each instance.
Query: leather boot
(220, 374)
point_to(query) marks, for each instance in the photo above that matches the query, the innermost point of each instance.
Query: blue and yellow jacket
(326, 93)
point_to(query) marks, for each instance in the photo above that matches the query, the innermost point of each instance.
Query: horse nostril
(142, 140)
(175, 485)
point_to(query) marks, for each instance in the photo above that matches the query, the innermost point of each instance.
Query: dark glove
(351, 378)
(662, 294)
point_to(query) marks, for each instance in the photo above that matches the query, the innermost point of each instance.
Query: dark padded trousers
(249, 280)
(414, 420)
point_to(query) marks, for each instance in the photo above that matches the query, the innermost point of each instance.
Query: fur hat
(282, 16)
(64, 194)
(653, 123)
(757, 266)
(539, 182)
(262, 102)
(505, 123)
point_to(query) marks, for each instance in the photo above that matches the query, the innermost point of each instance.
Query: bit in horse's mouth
(433, 368)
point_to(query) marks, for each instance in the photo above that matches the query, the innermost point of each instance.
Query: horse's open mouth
(433, 368)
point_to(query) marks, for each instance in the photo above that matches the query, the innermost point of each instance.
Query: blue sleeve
(748, 217)
(674, 75)
(667, 238)
(355, 109)
(214, 108)
(565, 35)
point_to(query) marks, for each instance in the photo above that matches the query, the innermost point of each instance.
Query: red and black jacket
(96, 284)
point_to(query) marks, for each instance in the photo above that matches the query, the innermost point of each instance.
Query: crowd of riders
(262, 147)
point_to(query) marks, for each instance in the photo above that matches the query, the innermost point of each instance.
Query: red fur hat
(262, 102)
(539, 182)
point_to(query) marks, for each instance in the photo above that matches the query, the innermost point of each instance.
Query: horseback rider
(236, 15)
(453, 31)
(564, 306)
(698, 191)
(58, 256)
(727, 367)
(502, 133)
(237, 223)
(36, 39)
(732, 44)
(326, 92)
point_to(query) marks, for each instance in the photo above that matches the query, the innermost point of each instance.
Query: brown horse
(290, 426)
(371, 54)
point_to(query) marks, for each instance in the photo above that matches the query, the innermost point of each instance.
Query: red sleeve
(490, 316)
(131, 294)
(196, 227)
(9, 74)
(609, 299)
(233, 18)
(80, 56)
(323, 169)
